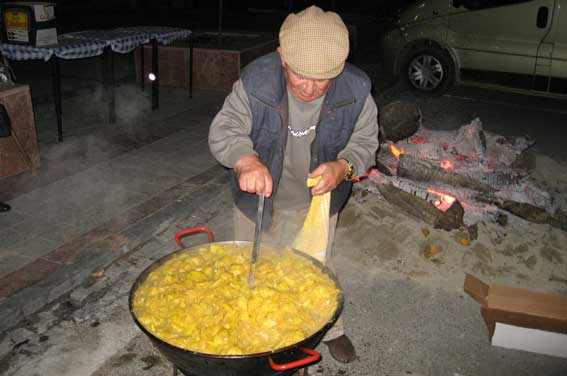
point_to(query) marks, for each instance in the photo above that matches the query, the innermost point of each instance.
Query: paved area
(106, 203)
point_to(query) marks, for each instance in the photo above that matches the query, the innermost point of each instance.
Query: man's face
(303, 88)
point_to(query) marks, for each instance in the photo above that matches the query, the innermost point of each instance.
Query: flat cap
(314, 43)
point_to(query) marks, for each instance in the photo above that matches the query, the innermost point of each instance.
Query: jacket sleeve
(363, 143)
(229, 133)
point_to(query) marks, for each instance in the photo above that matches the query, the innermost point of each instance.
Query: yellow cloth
(314, 236)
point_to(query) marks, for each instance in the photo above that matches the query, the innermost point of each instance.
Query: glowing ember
(445, 200)
(418, 140)
(370, 172)
(396, 151)
(373, 172)
(447, 164)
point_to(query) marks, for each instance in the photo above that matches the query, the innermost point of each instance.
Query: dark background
(73, 15)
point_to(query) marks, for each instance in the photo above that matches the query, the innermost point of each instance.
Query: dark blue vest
(266, 87)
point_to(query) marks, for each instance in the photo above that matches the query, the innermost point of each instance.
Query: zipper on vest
(341, 105)
(282, 149)
(284, 132)
(328, 111)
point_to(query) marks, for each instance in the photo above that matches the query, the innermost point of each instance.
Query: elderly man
(296, 113)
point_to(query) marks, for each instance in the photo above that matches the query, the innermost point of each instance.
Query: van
(520, 45)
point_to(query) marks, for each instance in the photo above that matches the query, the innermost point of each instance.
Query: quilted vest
(266, 88)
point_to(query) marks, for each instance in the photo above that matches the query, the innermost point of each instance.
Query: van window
(485, 4)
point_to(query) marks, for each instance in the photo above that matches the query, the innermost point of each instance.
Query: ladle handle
(312, 358)
(257, 237)
(192, 230)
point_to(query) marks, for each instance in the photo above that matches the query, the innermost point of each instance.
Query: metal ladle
(257, 236)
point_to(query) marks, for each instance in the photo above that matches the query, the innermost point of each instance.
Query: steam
(281, 234)
(78, 165)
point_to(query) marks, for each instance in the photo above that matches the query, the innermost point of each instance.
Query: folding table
(91, 43)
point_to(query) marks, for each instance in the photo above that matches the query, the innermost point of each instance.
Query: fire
(447, 164)
(445, 200)
(396, 151)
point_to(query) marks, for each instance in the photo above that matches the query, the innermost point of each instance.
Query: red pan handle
(314, 356)
(192, 230)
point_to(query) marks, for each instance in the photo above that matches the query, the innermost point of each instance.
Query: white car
(520, 44)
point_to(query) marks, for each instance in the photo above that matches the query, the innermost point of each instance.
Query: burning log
(423, 210)
(529, 212)
(386, 161)
(413, 168)
(441, 198)
(535, 214)
(470, 167)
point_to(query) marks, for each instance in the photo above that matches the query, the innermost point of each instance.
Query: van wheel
(429, 69)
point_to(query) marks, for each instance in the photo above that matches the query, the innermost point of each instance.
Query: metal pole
(190, 67)
(57, 97)
(105, 66)
(155, 70)
(112, 96)
(142, 65)
(220, 19)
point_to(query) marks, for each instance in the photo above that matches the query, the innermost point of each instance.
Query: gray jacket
(265, 88)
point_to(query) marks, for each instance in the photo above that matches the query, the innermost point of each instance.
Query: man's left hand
(332, 174)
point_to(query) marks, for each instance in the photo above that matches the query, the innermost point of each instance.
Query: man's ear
(279, 49)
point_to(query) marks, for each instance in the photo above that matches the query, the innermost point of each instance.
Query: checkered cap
(314, 43)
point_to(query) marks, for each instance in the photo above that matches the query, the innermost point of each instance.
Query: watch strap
(350, 172)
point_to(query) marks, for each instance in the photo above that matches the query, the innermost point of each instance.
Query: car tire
(429, 69)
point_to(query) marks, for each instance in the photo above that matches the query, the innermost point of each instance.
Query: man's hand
(253, 176)
(332, 174)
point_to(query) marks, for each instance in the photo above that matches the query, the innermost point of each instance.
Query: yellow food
(314, 235)
(201, 300)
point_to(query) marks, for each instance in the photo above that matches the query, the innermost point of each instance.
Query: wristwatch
(350, 172)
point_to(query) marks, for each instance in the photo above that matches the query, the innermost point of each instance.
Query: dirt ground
(520, 253)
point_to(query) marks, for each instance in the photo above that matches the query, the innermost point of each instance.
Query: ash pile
(455, 178)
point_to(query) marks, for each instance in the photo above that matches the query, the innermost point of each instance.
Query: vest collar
(272, 96)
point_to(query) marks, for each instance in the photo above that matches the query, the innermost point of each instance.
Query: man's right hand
(253, 176)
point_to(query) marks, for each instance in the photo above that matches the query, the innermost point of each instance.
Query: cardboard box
(29, 23)
(18, 152)
(522, 319)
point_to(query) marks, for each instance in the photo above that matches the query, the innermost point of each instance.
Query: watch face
(350, 173)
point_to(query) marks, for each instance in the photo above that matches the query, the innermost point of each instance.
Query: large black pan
(281, 362)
